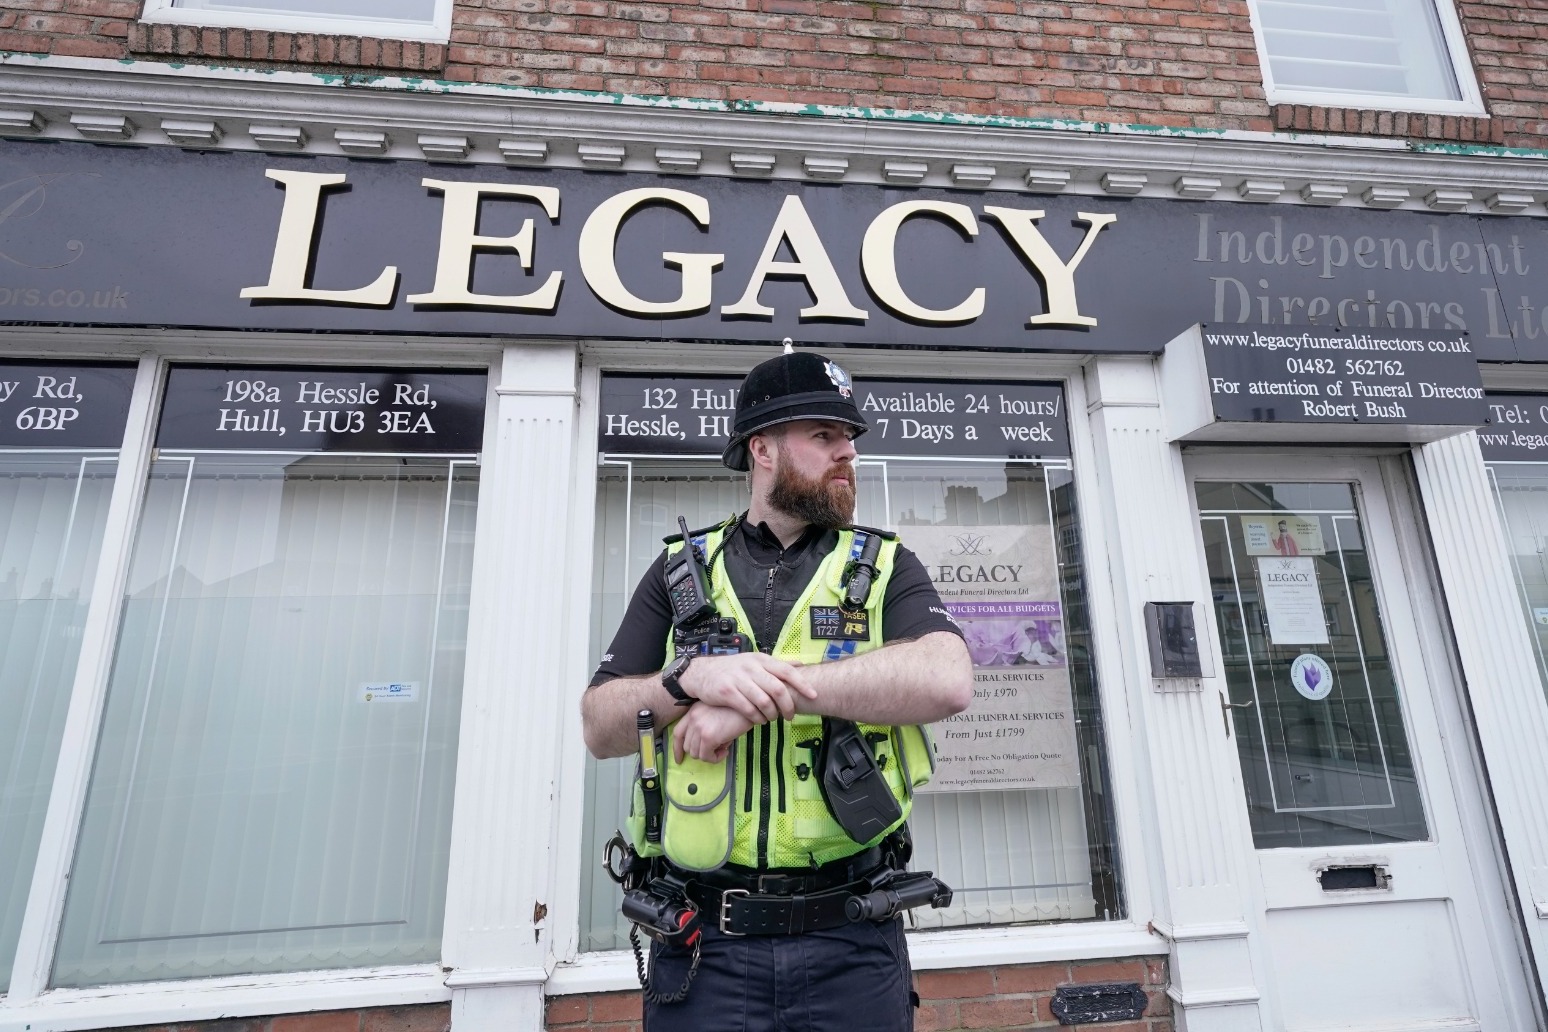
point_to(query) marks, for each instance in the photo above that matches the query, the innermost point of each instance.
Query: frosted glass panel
(272, 788)
(1012, 856)
(376, 10)
(1391, 48)
(1522, 491)
(52, 509)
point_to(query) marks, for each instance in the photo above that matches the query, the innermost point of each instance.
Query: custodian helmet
(795, 385)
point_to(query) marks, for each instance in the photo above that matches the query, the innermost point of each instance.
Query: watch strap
(674, 687)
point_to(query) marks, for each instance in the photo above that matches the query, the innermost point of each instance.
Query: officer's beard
(820, 500)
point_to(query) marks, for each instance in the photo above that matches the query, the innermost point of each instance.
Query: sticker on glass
(1283, 534)
(389, 691)
(1312, 676)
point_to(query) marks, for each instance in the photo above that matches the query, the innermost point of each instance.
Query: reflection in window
(272, 785)
(53, 506)
(1012, 856)
(1318, 719)
(1363, 48)
(1521, 489)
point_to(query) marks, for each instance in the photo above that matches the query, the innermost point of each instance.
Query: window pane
(1318, 716)
(272, 787)
(1012, 856)
(53, 506)
(1391, 48)
(1522, 490)
(392, 10)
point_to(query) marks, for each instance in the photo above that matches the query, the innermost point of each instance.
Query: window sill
(265, 47)
(1463, 128)
(928, 951)
(150, 1003)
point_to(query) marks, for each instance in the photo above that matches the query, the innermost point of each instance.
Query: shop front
(326, 481)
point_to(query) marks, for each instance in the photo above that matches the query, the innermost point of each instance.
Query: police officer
(845, 631)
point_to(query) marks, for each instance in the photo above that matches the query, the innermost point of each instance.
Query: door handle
(1226, 706)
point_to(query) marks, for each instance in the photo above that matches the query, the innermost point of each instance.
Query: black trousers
(850, 979)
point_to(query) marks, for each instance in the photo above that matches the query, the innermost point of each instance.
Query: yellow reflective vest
(762, 805)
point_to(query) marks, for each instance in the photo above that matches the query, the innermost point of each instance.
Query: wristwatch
(670, 679)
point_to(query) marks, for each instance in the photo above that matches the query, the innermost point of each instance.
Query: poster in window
(1292, 600)
(1000, 585)
(1283, 534)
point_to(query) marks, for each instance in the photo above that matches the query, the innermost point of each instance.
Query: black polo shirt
(768, 579)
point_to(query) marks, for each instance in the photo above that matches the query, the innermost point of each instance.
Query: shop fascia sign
(792, 231)
(1258, 383)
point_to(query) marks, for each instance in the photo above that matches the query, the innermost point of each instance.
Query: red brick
(318, 1021)
(616, 1007)
(936, 1017)
(1108, 971)
(956, 985)
(70, 46)
(567, 1010)
(1006, 1012)
(1031, 979)
(434, 1017)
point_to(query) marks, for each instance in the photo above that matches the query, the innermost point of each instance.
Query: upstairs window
(1403, 55)
(428, 20)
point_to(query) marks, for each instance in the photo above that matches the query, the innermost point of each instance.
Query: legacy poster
(1000, 585)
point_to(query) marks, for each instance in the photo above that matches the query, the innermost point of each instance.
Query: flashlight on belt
(650, 778)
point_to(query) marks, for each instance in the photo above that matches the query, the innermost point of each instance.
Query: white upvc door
(1379, 901)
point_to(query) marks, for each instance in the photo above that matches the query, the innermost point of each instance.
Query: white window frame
(1453, 38)
(437, 30)
(30, 1003)
(613, 971)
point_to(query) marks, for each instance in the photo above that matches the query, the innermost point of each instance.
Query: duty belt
(783, 902)
(742, 912)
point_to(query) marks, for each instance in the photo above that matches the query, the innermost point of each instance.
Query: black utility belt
(742, 912)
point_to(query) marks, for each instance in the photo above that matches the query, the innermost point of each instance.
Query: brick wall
(433, 1017)
(1005, 997)
(1182, 63)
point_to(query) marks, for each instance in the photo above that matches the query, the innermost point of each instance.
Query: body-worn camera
(717, 637)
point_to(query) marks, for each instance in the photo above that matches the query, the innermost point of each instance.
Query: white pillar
(1495, 650)
(1196, 824)
(496, 944)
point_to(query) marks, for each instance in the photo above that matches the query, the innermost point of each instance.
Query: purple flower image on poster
(1011, 634)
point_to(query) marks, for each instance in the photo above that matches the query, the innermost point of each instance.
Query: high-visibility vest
(762, 806)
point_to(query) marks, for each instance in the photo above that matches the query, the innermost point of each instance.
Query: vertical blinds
(261, 799)
(53, 506)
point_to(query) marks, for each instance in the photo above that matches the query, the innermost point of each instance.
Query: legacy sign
(233, 240)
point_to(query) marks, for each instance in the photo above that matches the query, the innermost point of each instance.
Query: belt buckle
(725, 910)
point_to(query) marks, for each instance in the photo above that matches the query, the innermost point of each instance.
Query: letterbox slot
(1362, 876)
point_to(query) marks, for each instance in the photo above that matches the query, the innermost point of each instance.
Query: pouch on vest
(916, 754)
(698, 820)
(634, 824)
(853, 785)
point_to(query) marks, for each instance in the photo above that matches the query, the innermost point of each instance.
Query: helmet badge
(840, 379)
